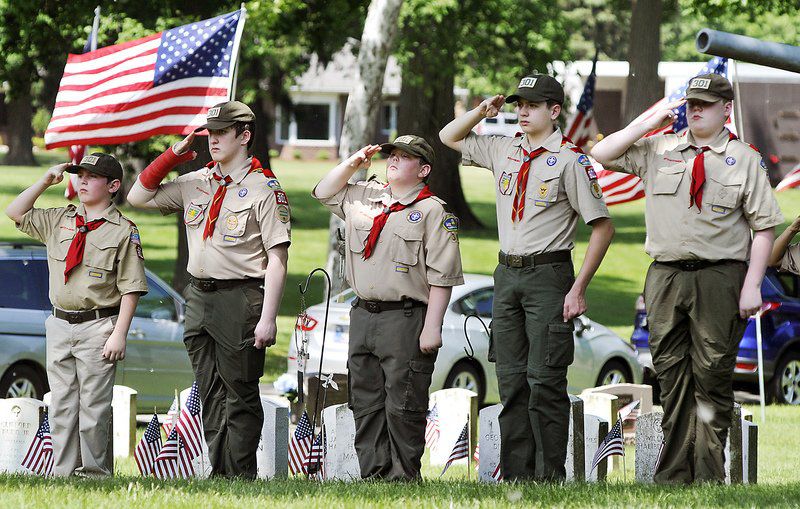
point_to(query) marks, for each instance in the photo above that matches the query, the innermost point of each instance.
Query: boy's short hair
(240, 127)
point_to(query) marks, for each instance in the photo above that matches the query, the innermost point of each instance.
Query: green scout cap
(226, 114)
(537, 88)
(414, 145)
(99, 164)
(710, 88)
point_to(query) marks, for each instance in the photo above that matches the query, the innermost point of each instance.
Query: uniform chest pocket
(357, 237)
(233, 219)
(100, 253)
(195, 212)
(58, 245)
(406, 245)
(543, 187)
(723, 192)
(668, 179)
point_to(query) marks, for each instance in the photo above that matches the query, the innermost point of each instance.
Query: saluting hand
(663, 117)
(362, 159)
(265, 333)
(182, 146)
(490, 107)
(55, 174)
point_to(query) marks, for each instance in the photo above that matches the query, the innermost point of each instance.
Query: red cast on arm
(155, 172)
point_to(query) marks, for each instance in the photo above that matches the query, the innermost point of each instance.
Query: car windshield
(479, 301)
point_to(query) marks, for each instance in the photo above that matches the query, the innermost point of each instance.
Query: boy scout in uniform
(402, 259)
(237, 229)
(96, 266)
(543, 184)
(705, 191)
(784, 256)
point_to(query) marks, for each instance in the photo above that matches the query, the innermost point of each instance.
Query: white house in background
(768, 105)
(319, 96)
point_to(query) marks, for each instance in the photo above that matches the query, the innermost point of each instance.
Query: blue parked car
(780, 329)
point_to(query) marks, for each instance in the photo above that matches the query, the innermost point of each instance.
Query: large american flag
(148, 447)
(160, 84)
(623, 187)
(39, 458)
(432, 427)
(190, 423)
(173, 461)
(300, 445)
(460, 449)
(582, 126)
(791, 180)
(612, 445)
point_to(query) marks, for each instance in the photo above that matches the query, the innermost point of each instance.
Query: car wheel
(613, 372)
(465, 375)
(786, 382)
(22, 381)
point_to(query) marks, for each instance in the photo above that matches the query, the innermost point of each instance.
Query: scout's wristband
(155, 172)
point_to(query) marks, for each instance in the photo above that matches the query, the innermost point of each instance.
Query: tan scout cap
(414, 145)
(709, 88)
(226, 114)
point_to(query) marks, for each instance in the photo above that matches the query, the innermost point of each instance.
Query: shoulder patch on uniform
(280, 198)
(597, 191)
(583, 160)
(136, 240)
(450, 223)
(282, 212)
(274, 184)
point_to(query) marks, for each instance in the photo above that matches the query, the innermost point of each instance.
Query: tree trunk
(426, 105)
(20, 131)
(180, 277)
(644, 53)
(361, 113)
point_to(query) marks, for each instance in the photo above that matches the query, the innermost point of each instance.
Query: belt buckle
(73, 317)
(691, 265)
(515, 261)
(372, 307)
(206, 286)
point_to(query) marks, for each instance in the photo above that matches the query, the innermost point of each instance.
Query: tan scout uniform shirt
(791, 259)
(737, 197)
(254, 218)
(112, 264)
(417, 248)
(561, 185)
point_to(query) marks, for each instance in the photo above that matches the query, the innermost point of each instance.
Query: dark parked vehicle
(780, 331)
(156, 362)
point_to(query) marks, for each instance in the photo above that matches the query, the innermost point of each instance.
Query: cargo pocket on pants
(560, 345)
(419, 381)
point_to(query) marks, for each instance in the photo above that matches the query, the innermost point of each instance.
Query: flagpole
(738, 119)
(469, 443)
(236, 41)
(95, 27)
(622, 432)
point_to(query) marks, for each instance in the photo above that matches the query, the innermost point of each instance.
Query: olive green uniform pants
(533, 347)
(389, 382)
(695, 330)
(219, 337)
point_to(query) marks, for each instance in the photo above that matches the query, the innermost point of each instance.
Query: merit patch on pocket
(401, 268)
(95, 274)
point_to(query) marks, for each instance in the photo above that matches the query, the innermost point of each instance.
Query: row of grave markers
(591, 416)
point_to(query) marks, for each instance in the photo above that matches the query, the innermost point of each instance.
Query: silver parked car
(156, 362)
(601, 357)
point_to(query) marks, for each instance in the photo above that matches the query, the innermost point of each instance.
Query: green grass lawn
(779, 442)
(611, 298)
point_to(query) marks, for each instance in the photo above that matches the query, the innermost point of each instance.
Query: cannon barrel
(748, 49)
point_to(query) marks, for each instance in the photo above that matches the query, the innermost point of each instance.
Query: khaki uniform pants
(533, 348)
(81, 387)
(219, 337)
(695, 331)
(389, 378)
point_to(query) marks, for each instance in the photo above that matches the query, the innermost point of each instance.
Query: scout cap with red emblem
(411, 144)
(226, 114)
(99, 164)
(538, 88)
(709, 88)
